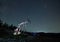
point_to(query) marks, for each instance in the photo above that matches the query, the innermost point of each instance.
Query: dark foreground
(30, 37)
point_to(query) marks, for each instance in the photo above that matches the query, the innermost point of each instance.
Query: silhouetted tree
(5, 25)
(1, 22)
(11, 27)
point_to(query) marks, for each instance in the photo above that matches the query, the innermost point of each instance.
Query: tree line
(6, 29)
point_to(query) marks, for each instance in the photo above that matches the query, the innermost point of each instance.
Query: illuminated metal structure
(18, 30)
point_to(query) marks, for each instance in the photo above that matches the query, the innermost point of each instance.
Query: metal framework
(21, 26)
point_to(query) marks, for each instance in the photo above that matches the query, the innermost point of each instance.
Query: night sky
(44, 14)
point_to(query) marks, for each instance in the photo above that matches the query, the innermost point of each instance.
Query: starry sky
(44, 14)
